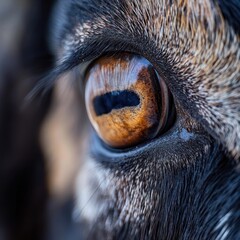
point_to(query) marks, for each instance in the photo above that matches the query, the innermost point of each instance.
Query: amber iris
(126, 101)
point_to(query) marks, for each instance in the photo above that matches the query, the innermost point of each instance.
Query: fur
(151, 192)
(182, 185)
(190, 36)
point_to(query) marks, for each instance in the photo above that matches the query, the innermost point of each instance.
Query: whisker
(90, 198)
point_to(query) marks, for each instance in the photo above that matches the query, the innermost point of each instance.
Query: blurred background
(40, 140)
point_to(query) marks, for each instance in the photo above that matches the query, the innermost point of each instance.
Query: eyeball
(126, 100)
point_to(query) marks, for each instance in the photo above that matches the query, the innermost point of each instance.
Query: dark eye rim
(121, 151)
(161, 134)
(169, 117)
(105, 154)
(161, 68)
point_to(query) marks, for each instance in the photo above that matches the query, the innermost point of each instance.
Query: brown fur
(204, 51)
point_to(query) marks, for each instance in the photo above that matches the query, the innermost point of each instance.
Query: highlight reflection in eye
(126, 101)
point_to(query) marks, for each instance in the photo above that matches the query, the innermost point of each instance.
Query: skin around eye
(126, 101)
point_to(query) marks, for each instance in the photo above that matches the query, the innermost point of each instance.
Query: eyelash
(86, 54)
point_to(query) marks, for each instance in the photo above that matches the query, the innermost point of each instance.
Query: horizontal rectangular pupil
(105, 103)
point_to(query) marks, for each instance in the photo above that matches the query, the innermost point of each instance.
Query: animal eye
(126, 100)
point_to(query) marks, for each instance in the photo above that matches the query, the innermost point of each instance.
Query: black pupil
(105, 103)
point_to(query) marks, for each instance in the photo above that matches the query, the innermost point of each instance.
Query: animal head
(136, 181)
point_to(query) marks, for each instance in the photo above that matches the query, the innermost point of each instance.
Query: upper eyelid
(86, 53)
(97, 45)
(107, 47)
